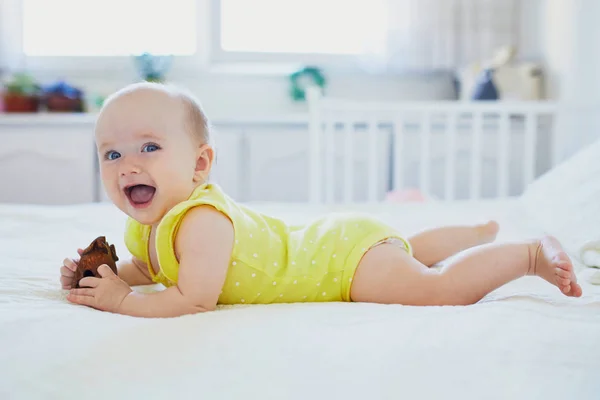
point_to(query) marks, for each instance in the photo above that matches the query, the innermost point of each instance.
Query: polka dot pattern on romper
(309, 268)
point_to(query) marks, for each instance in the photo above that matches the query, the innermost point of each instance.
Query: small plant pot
(18, 103)
(62, 103)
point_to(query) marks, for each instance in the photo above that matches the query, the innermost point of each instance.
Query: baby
(154, 147)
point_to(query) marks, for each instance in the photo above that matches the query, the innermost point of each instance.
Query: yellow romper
(271, 262)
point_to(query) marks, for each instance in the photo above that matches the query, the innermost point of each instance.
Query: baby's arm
(203, 245)
(134, 272)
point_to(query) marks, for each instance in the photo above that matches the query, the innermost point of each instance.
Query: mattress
(523, 341)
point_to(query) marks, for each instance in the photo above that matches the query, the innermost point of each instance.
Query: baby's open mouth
(140, 195)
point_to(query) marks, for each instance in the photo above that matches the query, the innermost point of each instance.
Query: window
(300, 27)
(108, 27)
(101, 35)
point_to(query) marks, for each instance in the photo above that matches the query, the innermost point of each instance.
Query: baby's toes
(563, 282)
(576, 290)
(565, 289)
(562, 273)
(562, 279)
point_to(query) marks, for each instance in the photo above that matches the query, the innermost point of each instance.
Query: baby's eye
(112, 155)
(149, 148)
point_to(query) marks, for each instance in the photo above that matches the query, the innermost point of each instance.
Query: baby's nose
(130, 167)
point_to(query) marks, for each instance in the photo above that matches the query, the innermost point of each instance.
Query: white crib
(448, 150)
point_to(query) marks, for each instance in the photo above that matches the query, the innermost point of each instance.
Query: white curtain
(10, 34)
(443, 34)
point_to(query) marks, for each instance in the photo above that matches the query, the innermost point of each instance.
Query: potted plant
(21, 94)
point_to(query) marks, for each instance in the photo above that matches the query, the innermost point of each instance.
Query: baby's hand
(67, 271)
(104, 294)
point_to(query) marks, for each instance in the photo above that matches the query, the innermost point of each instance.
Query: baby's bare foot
(548, 260)
(487, 232)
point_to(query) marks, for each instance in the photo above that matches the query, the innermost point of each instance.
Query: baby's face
(147, 157)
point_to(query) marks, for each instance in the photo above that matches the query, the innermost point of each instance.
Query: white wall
(531, 32)
(571, 39)
(558, 32)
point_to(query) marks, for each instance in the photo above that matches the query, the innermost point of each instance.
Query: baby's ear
(204, 160)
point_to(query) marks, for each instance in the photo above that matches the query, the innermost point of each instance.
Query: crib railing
(448, 150)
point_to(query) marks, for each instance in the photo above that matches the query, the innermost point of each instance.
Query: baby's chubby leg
(434, 245)
(388, 274)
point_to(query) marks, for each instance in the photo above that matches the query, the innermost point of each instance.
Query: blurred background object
(251, 62)
(21, 93)
(153, 68)
(62, 97)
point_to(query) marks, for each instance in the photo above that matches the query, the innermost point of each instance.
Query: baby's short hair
(196, 119)
(199, 124)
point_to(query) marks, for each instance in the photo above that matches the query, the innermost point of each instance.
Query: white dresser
(47, 160)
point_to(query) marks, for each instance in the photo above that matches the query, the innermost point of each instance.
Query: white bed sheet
(523, 341)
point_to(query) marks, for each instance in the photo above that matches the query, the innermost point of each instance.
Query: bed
(523, 341)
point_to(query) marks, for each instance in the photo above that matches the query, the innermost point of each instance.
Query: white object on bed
(523, 341)
(590, 254)
(590, 257)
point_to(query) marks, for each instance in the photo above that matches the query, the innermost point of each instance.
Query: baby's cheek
(108, 181)
(115, 195)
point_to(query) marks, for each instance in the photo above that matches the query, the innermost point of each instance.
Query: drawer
(47, 165)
